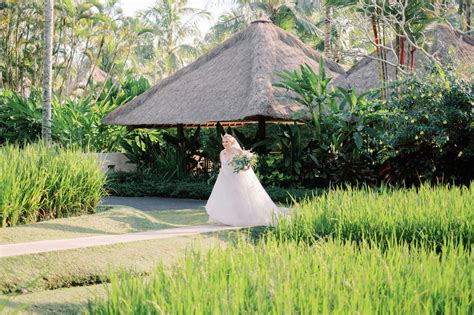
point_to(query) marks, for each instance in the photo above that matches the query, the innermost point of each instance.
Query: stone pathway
(154, 203)
(57, 245)
(140, 203)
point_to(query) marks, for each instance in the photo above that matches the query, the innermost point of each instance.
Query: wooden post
(261, 131)
(181, 137)
(261, 134)
(181, 152)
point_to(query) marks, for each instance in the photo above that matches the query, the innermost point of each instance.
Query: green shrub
(39, 183)
(342, 131)
(428, 214)
(149, 184)
(431, 135)
(272, 278)
(20, 118)
(165, 154)
(75, 122)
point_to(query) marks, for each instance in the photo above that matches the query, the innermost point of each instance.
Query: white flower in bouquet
(243, 161)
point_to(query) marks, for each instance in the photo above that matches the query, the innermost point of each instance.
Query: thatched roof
(97, 76)
(442, 42)
(232, 83)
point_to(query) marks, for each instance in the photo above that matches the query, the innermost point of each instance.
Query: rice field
(37, 183)
(431, 215)
(348, 252)
(333, 277)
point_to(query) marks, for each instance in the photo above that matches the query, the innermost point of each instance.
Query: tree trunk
(468, 16)
(402, 51)
(327, 31)
(412, 61)
(383, 40)
(379, 55)
(96, 60)
(48, 56)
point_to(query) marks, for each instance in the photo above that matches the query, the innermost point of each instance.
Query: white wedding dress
(239, 199)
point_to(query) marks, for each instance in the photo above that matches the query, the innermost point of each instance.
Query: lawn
(60, 301)
(25, 279)
(116, 220)
(63, 281)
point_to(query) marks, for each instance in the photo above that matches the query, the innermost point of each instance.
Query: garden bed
(138, 184)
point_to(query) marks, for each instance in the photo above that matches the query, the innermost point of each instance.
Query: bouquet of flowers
(243, 161)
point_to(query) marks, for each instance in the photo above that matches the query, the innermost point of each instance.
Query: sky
(131, 7)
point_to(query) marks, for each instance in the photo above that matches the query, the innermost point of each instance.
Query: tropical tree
(291, 15)
(48, 56)
(227, 24)
(327, 30)
(174, 34)
(468, 15)
(401, 21)
(285, 14)
(21, 43)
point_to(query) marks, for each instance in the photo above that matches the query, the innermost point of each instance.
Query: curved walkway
(57, 245)
(154, 203)
(140, 203)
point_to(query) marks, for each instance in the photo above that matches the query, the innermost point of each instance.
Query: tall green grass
(347, 252)
(428, 214)
(39, 183)
(334, 277)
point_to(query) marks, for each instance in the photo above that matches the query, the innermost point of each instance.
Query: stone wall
(115, 162)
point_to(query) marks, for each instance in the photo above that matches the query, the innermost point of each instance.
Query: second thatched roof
(443, 43)
(232, 83)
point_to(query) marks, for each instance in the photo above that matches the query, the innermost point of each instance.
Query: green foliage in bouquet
(243, 161)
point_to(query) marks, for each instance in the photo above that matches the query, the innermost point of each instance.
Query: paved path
(57, 245)
(154, 203)
(140, 203)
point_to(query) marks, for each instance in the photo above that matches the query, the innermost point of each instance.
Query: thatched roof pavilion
(232, 84)
(441, 41)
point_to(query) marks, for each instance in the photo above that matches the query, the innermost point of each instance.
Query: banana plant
(291, 145)
(20, 118)
(309, 89)
(292, 149)
(186, 149)
(143, 151)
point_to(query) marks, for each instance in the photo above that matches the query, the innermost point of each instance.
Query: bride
(238, 199)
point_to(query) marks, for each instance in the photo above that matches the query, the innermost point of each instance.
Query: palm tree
(327, 30)
(228, 24)
(48, 56)
(372, 9)
(412, 19)
(407, 19)
(468, 15)
(286, 14)
(175, 29)
(290, 15)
